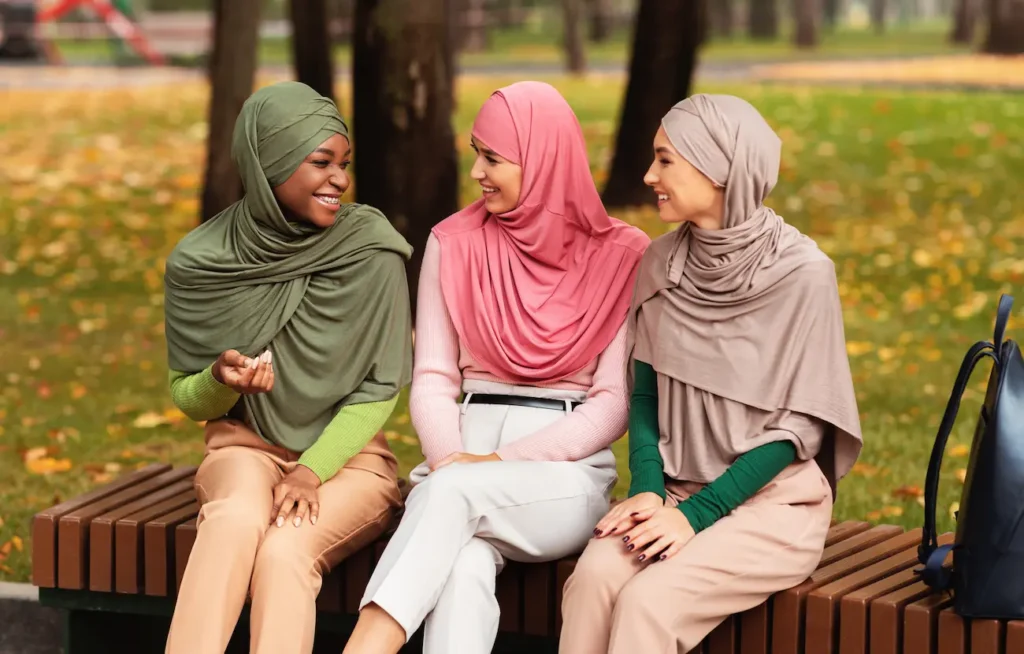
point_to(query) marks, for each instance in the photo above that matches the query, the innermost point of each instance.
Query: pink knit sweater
(441, 364)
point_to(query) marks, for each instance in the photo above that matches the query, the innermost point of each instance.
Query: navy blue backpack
(987, 577)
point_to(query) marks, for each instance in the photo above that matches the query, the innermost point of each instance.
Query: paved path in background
(960, 72)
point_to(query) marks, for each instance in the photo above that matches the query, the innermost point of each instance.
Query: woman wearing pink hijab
(523, 299)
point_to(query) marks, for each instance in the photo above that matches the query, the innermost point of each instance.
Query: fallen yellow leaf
(47, 465)
(892, 511)
(959, 450)
(33, 454)
(4, 568)
(18, 545)
(149, 420)
(402, 419)
(961, 474)
(392, 435)
(857, 348)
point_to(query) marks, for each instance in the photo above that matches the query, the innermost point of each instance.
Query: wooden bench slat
(563, 570)
(843, 530)
(921, 621)
(44, 523)
(538, 596)
(73, 528)
(756, 629)
(357, 569)
(103, 549)
(788, 615)
(952, 634)
(1015, 637)
(857, 543)
(329, 598)
(987, 637)
(862, 626)
(158, 536)
(724, 639)
(508, 589)
(129, 547)
(184, 539)
(822, 610)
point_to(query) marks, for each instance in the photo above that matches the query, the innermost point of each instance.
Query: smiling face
(313, 192)
(684, 193)
(501, 181)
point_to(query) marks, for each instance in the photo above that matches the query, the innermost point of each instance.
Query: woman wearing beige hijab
(743, 416)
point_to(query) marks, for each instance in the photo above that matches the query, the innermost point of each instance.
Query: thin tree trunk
(572, 36)
(311, 45)
(878, 15)
(236, 25)
(666, 38)
(474, 26)
(1005, 27)
(722, 17)
(600, 20)
(509, 13)
(402, 107)
(806, 18)
(831, 13)
(965, 15)
(764, 20)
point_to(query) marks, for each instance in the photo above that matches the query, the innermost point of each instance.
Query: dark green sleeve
(646, 467)
(748, 474)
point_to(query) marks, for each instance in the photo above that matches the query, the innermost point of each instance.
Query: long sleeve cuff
(199, 396)
(345, 436)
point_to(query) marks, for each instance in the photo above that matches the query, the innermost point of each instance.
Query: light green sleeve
(200, 396)
(345, 436)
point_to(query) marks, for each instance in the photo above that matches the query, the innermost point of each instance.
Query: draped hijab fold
(331, 304)
(537, 293)
(749, 312)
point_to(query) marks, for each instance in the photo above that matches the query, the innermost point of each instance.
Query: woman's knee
(234, 518)
(603, 568)
(452, 484)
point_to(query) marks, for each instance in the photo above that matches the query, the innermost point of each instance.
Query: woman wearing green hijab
(288, 332)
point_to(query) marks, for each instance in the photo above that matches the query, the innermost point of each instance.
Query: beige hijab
(750, 312)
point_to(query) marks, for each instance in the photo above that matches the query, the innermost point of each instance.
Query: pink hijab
(538, 292)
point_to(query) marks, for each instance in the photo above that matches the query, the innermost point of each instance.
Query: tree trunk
(1005, 27)
(236, 25)
(806, 18)
(721, 17)
(572, 36)
(764, 20)
(311, 45)
(402, 107)
(509, 13)
(878, 15)
(600, 20)
(831, 13)
(965, 14)
(666, 37)
(473, 26)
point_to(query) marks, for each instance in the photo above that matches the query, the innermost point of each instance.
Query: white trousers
(464, 520)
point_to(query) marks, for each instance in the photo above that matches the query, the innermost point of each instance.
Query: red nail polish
(642, 557)
(630, 548)
(625, 539)
(662, 557)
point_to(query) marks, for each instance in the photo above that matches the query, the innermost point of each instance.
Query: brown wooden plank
(921, 621)
(329, 599)
(103, 555)
(788, 613)
(724, 639)
(563, 570)
(159, 547)
(857, 625)
(538, 598)
(184, 539)
(73, 528)
(857, 543)
(357, 576)
(952, 633)
(756, 629)
(44, 523)
(509, 593)
(987, 636)
(822, 612)
(1015, 637)
(129, 544)
(843, 530)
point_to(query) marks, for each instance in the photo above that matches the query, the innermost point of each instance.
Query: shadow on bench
(113, 559)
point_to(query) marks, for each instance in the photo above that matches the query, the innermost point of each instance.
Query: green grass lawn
(540, 43)
(913, 195)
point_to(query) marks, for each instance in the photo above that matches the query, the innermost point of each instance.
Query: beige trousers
(613, 604)
(238, 553)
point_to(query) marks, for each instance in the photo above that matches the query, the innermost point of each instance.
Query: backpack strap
(1002, 317)
(928, 552)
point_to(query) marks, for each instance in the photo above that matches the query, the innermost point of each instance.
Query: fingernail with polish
(597, 532)
(662, 557)
(631, 546)
(312, 520)
(280, 521)
(625, 539)
(297, 521)
(641, 557)
(270, 357)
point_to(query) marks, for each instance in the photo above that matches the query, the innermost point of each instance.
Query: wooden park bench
(113, 559)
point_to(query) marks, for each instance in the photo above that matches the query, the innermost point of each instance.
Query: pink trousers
(613, 604)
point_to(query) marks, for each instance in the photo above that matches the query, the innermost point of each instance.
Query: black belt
(519, 400)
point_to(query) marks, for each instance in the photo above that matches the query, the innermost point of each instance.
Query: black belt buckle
(521, 400)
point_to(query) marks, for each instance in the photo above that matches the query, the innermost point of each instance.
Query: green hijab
(331, 304)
